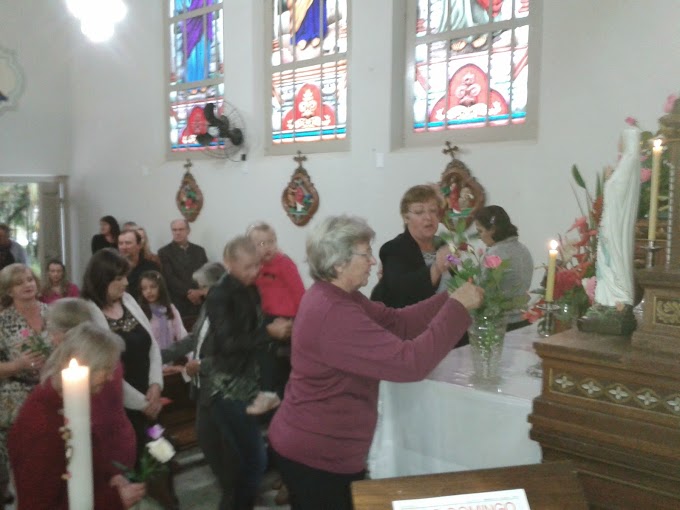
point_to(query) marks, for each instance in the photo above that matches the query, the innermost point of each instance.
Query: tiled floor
(197, 489)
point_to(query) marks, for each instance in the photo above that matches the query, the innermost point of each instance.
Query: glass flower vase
(486, 345)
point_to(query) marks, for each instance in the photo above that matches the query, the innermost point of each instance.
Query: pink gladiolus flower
(670, 102)
(589, 285)
(631, 121)
(645, 174)
(492, 261)
(580, 224)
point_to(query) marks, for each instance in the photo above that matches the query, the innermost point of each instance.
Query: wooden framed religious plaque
(300, 199)
(464, 195)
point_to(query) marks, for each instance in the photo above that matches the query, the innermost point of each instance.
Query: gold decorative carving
(615, 393)
(667, 312)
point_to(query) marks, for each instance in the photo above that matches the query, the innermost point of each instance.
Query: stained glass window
(309, 72)
(196, 69)
(469, 65)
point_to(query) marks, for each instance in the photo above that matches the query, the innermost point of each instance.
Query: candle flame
(73, 363)
(657, 143)
(553, 244)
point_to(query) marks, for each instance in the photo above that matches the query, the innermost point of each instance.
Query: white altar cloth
(445, 424)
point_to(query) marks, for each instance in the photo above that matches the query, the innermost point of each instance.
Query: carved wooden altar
(612, 404)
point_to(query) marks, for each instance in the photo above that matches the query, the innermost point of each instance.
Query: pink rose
(645, 174)
(631, 121)
(492, 261)
(670, 103)
(25, 333)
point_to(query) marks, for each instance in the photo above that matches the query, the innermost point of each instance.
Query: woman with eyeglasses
(501, 238)
(414, 262)
(343, 346)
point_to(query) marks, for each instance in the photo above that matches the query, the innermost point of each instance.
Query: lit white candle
(76, 389)
(654, 194)
(550, 282)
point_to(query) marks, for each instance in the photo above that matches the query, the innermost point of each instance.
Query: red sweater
(343, 345)
(280, 287)
(36, 449)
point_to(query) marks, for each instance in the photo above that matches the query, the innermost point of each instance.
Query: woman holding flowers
(501, 238)
(36, 444)
(23, 349)
(343, 346)
(414, 262)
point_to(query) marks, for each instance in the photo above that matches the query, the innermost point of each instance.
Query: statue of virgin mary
(614, 266)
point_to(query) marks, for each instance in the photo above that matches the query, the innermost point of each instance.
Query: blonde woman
(23, 345)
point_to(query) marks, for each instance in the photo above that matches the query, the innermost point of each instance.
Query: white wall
(36, 137)
(601, 62)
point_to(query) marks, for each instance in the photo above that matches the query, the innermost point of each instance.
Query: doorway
(34, 208)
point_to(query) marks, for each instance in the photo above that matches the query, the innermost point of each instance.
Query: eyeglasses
(368, 255)
(423, 212)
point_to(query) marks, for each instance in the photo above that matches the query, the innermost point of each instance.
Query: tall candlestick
(550, 282)
(76, 389)
(654, 190)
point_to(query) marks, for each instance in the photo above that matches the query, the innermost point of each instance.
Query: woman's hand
(440, 265)
(153, 396)
(469, 295)
(130, 493)
(192, 367)
(280, 328)
(30, 361)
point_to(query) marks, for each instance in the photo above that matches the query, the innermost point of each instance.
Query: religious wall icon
(189, 197)
(300, 199)
(464, 195)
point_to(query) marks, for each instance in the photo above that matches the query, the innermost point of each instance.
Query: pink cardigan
(177, 330)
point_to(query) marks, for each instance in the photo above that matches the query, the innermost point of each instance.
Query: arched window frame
(272, 147)
(527, 130)
(174, 88)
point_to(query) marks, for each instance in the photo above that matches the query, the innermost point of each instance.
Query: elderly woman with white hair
(36, 447)
(343, 346)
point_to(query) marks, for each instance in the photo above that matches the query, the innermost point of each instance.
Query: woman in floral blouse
(23, 348)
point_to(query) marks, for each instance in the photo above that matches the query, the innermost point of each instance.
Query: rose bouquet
(159, 451)
(34, 342)
(474, 265)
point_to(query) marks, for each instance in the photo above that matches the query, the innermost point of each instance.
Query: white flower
(161, 450)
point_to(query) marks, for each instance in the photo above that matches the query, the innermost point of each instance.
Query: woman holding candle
(501, 238)
(23, 345)
(36, 443)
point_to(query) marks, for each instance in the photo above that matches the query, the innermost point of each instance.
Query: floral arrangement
(485, 271)
(154, 460)
(34, 342)
(575, 281)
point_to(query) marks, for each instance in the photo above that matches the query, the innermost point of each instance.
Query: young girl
(166, 324)
(56, 284)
